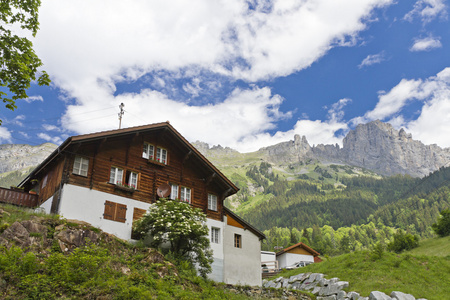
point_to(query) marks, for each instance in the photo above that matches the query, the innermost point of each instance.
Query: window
(149, 151)
(182, 193)
(80, 166)
(185, 194)
(173, 191)
(215, 233)
(115, 211)
(116, 175)
(237, 241)
(132, 179)
(161, 155)
(212, 202)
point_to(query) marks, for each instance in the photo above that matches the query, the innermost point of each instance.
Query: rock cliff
(17, 157)
(376, 146)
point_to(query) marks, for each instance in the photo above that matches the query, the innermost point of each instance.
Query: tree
(18, 61)
(403, 241)
(176, 227)
(442, 226)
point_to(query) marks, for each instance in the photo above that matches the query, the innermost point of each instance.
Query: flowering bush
(178, 228)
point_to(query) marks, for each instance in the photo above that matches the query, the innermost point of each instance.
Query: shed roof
(301, 245)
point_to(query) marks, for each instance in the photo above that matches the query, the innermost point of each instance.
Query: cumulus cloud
(5, 135)
(432, 124)
(425, 44)
(372, 59)
(34, 98)
(55, 139)
(427, 10)
(115, 42)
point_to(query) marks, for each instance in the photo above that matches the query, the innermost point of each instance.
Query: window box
(157, 162)
(125, 188)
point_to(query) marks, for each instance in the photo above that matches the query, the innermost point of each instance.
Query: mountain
(376, 146)
(16, 161)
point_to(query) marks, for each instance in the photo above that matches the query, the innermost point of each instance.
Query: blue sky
(243, 74)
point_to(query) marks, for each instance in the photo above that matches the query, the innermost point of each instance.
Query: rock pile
(328, 289)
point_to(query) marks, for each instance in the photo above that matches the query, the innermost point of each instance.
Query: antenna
(121, 106)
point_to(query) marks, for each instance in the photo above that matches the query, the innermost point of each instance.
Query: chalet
(111, 178)
(298, 253)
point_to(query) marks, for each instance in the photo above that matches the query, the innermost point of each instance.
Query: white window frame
(185, 194)
(116, 175)
(80, 166)
(215, 235)
(212, 202)
(173, 191)
(148, 151)
(161, 155)
(133, 180)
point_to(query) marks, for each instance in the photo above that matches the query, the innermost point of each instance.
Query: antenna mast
(121, 106)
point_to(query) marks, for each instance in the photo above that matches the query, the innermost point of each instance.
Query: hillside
(421, 276)
(44, 257)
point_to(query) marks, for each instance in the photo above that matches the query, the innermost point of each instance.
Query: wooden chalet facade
(110, 179)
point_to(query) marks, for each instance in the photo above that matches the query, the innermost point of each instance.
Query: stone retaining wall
(329, 289)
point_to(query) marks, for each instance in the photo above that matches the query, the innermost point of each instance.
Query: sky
(240, 74)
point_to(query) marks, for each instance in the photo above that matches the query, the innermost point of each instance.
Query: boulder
(402, 296)
(376, 295)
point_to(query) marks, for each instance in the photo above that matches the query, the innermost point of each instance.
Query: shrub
(442, 226)
(403, 241)
(180, 229)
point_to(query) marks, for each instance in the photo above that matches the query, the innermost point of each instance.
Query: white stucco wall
(89, 205)
(217, 265)
(242, 265)
(268, 256)
(47, 205)
(287, 259)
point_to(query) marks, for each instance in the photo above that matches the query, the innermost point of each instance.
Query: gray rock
(332, 297)
(279, 279)
(402, 296)
(353, 296)
(376, 295)
(341, 295)
(316, 290)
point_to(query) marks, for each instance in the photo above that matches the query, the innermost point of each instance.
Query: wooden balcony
(19, 198)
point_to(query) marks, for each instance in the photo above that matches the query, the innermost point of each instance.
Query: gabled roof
(126, 131)
(301, 245)
(244, 223)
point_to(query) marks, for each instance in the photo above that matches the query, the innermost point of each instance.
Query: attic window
(80, 166)
(160, 156)
(148, 151)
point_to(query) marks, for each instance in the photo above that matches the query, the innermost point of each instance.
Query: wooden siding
(232, 222)
(299, 250)
(125, 152)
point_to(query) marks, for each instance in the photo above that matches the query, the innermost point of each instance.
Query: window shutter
(121, 213)
(138, 213)
(110, 209)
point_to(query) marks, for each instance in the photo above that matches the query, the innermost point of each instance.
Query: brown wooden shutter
(138, 213)
(121, 213)
(110, 210)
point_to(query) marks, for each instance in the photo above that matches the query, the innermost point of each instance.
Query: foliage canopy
(176, 227)
(18, 61)
(442, 226)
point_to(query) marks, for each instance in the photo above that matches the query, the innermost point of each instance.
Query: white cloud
(427, 10)
(34, 98)
(49, 127)
(372, 59)
(431, 126)
(426, 44)
(55, 139)
(89, 47)
(5, 135)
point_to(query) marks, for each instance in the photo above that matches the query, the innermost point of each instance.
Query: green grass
(433, 247)
(422, 276)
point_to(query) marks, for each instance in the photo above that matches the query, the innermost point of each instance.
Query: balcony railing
(18, 198)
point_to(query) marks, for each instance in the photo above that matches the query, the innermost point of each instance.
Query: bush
(177, 228)
(403, 241)
(442, 226)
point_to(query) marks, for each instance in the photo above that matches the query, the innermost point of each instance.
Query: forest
(354, 213)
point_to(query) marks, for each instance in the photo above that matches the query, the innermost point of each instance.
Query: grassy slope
(433, 247)
(419, 275)
(113, 269)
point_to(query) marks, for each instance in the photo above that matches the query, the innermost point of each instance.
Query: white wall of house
(288, 259)
(242, 265)
(217, 248)
(47, 205)
(89, 205)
